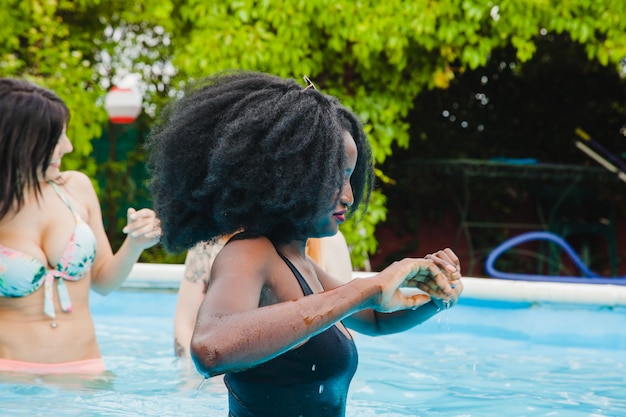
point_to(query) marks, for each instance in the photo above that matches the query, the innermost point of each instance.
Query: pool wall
(167, 277)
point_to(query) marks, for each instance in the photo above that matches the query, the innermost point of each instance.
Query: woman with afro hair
(277, 163)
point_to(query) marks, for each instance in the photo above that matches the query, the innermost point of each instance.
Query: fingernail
(125, 230)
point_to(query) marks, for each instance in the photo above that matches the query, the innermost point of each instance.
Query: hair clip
(309, 83)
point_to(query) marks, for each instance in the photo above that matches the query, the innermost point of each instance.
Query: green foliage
(37, 43)
(60, 45)
(375, 56)
(360, 230)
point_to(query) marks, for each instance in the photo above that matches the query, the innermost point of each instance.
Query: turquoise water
(480, 359)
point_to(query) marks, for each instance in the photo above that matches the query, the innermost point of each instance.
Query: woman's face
(330, 225)
(63, 146)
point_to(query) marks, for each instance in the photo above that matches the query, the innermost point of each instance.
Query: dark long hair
(255, 152)
(31, 122)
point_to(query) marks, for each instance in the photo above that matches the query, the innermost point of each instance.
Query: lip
(340, 216)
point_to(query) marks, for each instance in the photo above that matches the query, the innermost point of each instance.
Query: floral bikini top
(21, 274)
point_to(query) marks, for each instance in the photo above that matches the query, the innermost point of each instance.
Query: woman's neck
(294, 248)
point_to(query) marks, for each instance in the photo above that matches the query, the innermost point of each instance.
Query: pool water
(479, 359)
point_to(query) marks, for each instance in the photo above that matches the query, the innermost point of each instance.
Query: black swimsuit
(311, 380)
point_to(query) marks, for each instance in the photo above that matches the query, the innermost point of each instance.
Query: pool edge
(167, 277)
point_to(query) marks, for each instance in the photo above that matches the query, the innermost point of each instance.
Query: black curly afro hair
(254, 152)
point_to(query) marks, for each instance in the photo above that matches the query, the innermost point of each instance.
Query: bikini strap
(63, 197)
(303, 284)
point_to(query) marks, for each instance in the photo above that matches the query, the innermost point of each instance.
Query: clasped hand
(437, 275)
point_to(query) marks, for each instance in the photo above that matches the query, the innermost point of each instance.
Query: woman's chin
(52, 174)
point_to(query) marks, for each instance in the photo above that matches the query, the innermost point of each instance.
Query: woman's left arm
(374, 323)
(109, 270)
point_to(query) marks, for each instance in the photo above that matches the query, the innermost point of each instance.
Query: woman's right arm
(190, 295)
(109, 270)
(233, 333)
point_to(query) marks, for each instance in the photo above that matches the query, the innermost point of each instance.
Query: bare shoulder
(245, 259)
(80, 190)
(76, 182)
(240, 273)
(255, 250)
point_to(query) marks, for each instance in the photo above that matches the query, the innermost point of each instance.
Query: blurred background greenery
(430, 79)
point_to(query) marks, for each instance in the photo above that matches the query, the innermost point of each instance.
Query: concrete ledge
(155, 276)
(168, 276)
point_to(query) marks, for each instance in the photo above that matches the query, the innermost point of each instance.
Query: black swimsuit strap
(303, 284)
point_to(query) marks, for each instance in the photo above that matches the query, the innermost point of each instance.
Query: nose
(65, 145)
(347, 198)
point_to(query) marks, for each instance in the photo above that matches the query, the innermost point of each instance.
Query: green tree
(377, 57)
(38, 42)
(78, 49)
(61, 45)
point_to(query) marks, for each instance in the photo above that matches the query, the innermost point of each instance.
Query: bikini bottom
(87, 366)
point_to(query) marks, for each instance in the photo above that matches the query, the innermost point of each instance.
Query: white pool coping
(167, 277)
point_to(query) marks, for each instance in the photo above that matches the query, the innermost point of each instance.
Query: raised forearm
(114, 270)
(374, 323)
(399, 321)
(238, 341)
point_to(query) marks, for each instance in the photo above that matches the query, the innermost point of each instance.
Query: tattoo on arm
(179, 350)
(199, 261)
(195, 264)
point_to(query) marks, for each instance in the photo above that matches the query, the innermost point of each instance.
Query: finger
(146, 227)
(153, 235)
(145, 212)
(441, 283)
(457, 286)
(455, 261)
(131, 214)
(427, 288)
(450, 253)
(425, 270)
(140, 227)
(418, 300)
(432, 282)
(441, 263)
(418, 270)
(433, 291)
(453, 278)
(411, 283)
(443, 255)
(452, 270)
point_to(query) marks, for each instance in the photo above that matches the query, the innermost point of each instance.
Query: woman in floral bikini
(53, 247)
